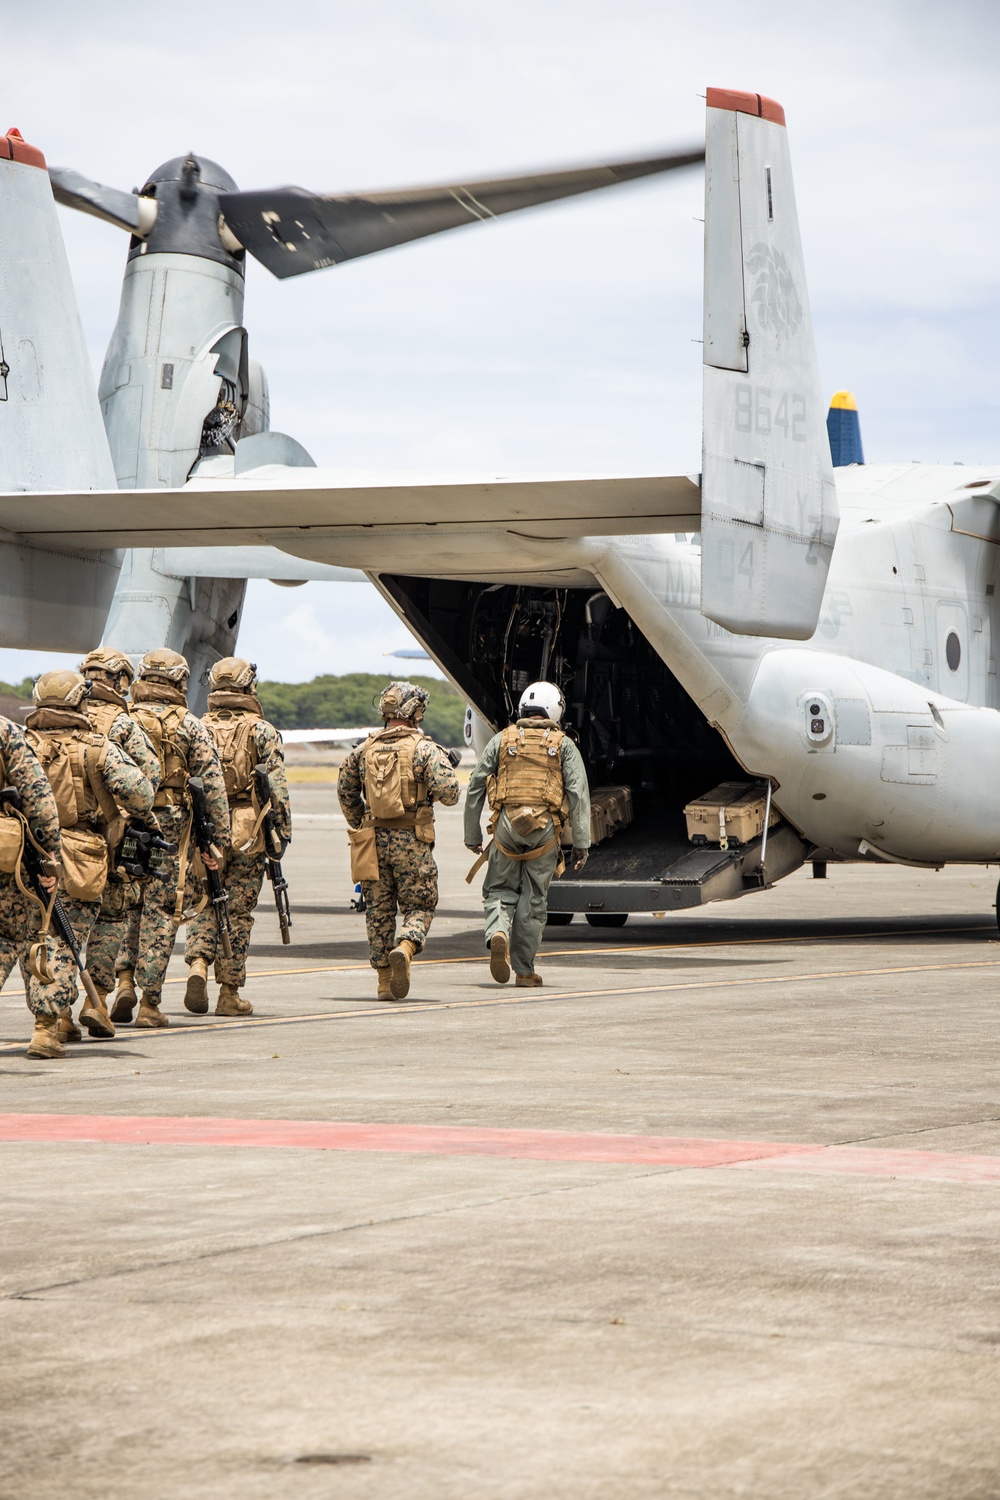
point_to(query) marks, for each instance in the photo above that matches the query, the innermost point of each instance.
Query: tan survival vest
(90, 822)
(395, 790)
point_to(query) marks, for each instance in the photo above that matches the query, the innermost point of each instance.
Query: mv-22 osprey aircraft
(826, 633)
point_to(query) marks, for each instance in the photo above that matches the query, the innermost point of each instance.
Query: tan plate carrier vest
(12, 830)
(529, 786)
(232, 732)
(90, 822)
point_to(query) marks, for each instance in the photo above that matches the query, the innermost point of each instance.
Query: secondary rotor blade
(292, 231)
(73, 190)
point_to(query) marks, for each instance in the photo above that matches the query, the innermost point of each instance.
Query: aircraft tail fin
(51, 433)
(844, 430)
(769, 506)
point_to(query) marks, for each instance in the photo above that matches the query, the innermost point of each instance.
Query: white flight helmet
(542, 698)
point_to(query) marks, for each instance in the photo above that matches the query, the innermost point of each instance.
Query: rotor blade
(73, 190)
(291, 230)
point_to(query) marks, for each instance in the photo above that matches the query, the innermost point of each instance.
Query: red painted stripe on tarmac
(534, 1145)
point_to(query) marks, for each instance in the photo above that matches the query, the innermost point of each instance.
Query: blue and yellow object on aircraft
(845, 430)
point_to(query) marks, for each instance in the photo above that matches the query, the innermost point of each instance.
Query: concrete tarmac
(714, 1213)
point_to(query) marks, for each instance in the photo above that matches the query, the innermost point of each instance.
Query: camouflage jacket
(25, 774)
(429, 759)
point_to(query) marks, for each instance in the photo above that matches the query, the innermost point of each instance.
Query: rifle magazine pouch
(84, 863)
(246, 828)
(11, 843)
(364, 855)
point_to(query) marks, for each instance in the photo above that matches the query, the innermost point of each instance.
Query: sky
(565, 338)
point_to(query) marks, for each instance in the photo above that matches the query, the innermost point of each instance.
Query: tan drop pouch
(525, 820)
(11, 843)
(364, 856)
(244, 828)
(84, 863)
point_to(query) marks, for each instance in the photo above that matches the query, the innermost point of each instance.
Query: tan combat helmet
(108, 661)
(233, 675)
(62, 689)
(403, 700)
(164, 665)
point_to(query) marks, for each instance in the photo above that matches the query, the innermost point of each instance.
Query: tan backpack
(234, 740)
(162, 731)
(89, 819)
(396, 793)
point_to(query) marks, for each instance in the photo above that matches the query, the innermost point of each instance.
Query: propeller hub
(188, 218)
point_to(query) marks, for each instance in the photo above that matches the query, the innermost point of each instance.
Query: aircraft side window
(953, 651)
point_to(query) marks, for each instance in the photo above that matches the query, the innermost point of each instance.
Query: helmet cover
(107, 659)
(233, 673)
(164, 665)
(403, 700)
(61, 689)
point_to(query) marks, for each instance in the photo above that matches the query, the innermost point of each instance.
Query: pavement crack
(892, 1135)
(38, 1293)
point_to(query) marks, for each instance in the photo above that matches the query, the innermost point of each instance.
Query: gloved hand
(578, 858)
(474, 848)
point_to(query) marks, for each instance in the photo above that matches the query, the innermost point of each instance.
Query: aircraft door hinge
(4, 372)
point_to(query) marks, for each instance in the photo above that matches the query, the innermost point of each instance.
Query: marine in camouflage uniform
(235, 719)
(523, 860)
(408, 877)
(20, 916)
(110, 674)
(108, 783)
(157, 694)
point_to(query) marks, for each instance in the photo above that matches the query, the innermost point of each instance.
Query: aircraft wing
(381, 523)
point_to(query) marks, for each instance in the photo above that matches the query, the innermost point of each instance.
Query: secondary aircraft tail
(769, 506)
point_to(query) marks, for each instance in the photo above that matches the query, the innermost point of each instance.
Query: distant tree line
(343, 702)
(332, 703)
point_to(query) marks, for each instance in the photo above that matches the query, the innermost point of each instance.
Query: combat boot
(96, 1018)
(126, 998)
(150, 1015)
(231, 1002)
(196, 990)
(67, 1030)
(500, 957)
(45, 1038)
(384, 986)
(527, 981)
(399, 968)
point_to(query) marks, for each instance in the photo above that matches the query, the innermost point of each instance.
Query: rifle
(204, 836)
(274, 848)
(37, 862)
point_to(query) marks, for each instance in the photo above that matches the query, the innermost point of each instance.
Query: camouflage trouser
(108, 932)
(151, 927)
(515, 893)
(244, 876)
(408, 879)
(56, 999)
(19, 923)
